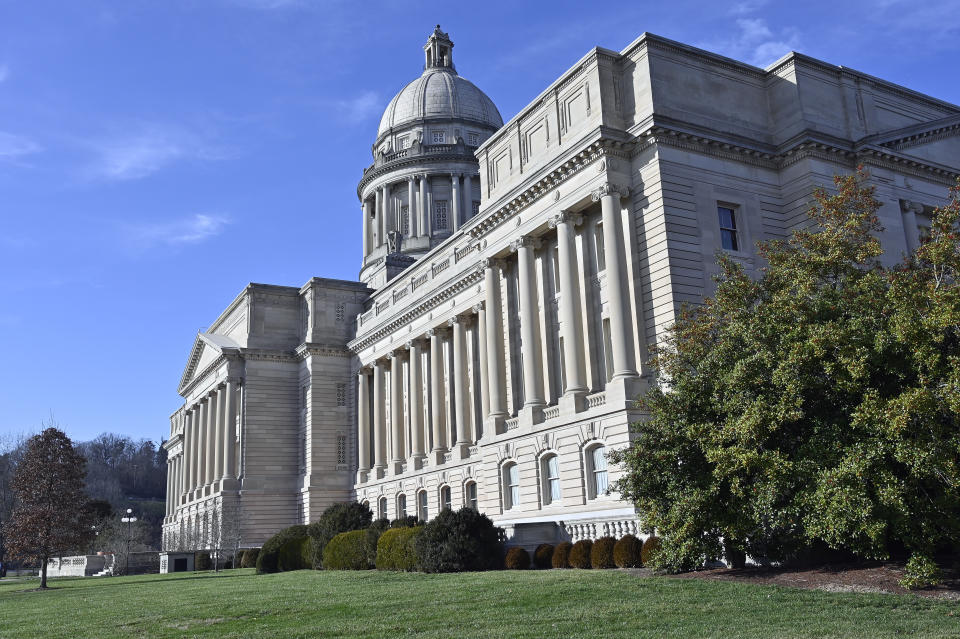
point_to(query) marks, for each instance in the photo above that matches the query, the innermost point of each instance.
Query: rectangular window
(405, 220)
(598, 242)
(303, 397)
(473, 139)
(341, 394)
(440, 213)
(422, 513)
(472, 496)
(513, 486)
(341, 450)
(439, 137)
(599, 467)
(728, 228)
(403, 142)
(553, 479)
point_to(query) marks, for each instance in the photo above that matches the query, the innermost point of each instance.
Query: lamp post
(128, 520)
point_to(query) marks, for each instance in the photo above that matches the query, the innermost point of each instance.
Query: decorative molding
(526, 241)
(609, 188)
(565, 217)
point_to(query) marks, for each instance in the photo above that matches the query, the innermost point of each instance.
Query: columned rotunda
(512, 278)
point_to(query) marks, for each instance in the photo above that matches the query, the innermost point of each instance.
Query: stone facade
(494, 365)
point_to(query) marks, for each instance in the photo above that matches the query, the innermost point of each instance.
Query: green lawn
(555, 603)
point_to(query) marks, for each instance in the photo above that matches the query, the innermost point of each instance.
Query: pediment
(207, 347)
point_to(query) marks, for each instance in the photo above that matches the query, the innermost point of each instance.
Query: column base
(229, 483)
(573, 402)
(379, 472)
(531, 414)
(417, 462)
(461, 450)
(624, 391)
(362, 476)
(438, 456)
(397, 467)
(493, 425)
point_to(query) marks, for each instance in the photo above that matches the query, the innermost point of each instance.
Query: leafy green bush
(373, 533)
(285, 551)
(561, 555)
(347, 551)
(650, 548)
(543, 555)
(338, 518)
(249, 558)
(517, 559)
(580, 554)
(921, 571)
(626, 552)
(457, 541)
(405, 522)
(396, 550)
(601, 555)
(201, 561)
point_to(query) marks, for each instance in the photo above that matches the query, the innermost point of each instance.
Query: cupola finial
(438, 51)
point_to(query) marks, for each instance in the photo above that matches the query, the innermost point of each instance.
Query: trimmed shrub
(201, 561)
(285, 551)
(347, 551)
(561, 555)
(580, 554)
(405, 522)
(338, 518)
(249, 558)
(396, 551)
(458, 541)
(601, 555)
(543, 555)
(650, 547)
(517, 559)
(626, 552)
(373, 533)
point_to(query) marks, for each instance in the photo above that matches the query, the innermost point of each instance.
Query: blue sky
(155, 157)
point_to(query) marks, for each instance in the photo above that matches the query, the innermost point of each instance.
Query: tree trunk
(43, 573)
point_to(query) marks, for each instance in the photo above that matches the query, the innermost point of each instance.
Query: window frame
(438, 136)
(511, 485)
(423, 505)
(734, 231)
(592, 472)
(401, 511)
(382, 506)
(441, 207)
(446, 497)
(468, 501)
(548, 480)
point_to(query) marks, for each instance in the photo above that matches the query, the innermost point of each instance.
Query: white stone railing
(551, 413)
(461, 253)
(417, 282)
(439, 267)
(447, 457)
(474, 451)
(597, 399)
(366, 317)
(512, 423)
(382, 306)
(400, 293)
(594, 530)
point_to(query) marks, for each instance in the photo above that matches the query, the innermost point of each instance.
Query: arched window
(470, 496)
(382, 508)
(422, 513)
(401, 506)
(511, 486)
(446, 498)
(597, 484)
(550, 471)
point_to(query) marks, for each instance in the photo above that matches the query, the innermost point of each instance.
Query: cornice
(316, 349)
(268, 355)
(468, 278)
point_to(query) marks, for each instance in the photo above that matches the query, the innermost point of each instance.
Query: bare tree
(12, 447)
(50, 517)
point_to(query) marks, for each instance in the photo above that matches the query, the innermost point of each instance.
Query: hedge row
(289, 549)
(606, 552)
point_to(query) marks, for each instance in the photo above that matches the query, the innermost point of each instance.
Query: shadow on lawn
(107, 582)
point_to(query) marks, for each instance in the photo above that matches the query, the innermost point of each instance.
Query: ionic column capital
(437, 331)
(565, 217)
(459, 319)
(525, 242)
(416, 341)
(489, 262)
(610, 189)
(479, 307)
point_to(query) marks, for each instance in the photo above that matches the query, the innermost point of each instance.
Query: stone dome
(439, 93)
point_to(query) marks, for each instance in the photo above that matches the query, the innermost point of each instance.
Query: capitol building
(512, 280)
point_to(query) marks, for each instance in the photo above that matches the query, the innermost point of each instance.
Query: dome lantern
(438, 51)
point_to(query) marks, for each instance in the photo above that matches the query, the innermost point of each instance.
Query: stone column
(461, 400)
(379, 421)
(496, 367)
(169, 500)
(624, 364)
(438, 413)
(416, 405)
(209, 445)
(388, 218)
(378, 215)
(363, 425)
(455, 199)
(188, 443)
(571, 326)
(411, 211)
(221, 425)
(396, 411)
(467, 196)
(428, 205)
(230, 433)
(422, 206)
(365, 212)
(178, 479)
(201, 467)
(530, 325)
(480, 310)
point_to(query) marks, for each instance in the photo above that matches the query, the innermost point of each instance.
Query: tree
(816, 405)
(49, 518)
(12, 448)
(338, 518)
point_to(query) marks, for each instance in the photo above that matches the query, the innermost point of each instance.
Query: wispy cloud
(268, 4)
(4, 73)
(133, 156)
(190, 230)
(13, 148)
(359, 108)
(755, 42)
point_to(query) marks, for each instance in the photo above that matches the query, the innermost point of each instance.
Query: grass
(552, 603)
